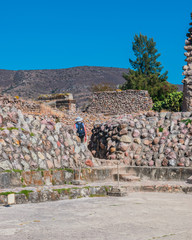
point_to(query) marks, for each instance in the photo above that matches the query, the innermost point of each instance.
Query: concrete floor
(139, 216)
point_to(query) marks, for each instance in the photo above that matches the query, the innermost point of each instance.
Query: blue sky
(60, 34)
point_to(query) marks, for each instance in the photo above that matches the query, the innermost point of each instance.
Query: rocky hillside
(77, 80)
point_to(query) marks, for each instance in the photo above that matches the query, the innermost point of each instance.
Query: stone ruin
(145, 139)
(62, 101)
(29, 142)
(187, 81)
(120, 102)
(21, 104)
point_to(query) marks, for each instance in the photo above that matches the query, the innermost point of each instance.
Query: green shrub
(186, 121)
(172, 102)
(157, 106)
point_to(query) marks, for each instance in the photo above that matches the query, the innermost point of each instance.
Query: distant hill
(77, 80)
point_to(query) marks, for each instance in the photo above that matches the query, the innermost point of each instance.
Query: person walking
(81, 130)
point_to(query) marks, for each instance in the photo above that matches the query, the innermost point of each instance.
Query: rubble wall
(147, 139)
(120, 102)
(187, 81)
(29, 142)
(24, 105)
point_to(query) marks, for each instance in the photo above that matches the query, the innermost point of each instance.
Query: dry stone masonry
(35, 142)
(120, 102)
(145, 139)
(187, 81)
(26, 106)
(62, 101)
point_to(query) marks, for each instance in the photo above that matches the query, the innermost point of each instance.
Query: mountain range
(29, 84)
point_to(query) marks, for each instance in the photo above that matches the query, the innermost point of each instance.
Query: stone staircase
(130, 176)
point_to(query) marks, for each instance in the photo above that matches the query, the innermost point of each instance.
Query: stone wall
(187, 81)
(119, 102)
(148, 139)
(30, 142)
(24, 105)
(62, 101)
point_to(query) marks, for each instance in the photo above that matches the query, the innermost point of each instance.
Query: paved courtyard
(139, 216)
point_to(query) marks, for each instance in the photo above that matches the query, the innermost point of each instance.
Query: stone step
(117, 192)
(189, 180)
(129, 178)
(97, 189)
(126, 177)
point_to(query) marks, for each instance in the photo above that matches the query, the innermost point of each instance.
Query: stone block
(148, 188)
(78, 182)
(27, 178)
(68, 176)
(117, 192)
(84, 192)
(11, 199)
(44, 196)
(58, 177)
(5, 179)
(47, 177)
(54, 196)
(32, 178)
(101, 190)
(34, 197)
(20, 199)
(3, 200)
(74, 193)
(37, 178)
(15, 179)
(64, 194)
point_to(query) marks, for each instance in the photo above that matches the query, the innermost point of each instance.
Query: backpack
(80, 129)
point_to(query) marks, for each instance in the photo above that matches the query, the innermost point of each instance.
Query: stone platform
(109, 173)
(21, 195)
(15, 178)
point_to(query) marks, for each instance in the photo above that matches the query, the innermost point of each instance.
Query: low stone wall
(18, 178)
(44, 195)
(62, 101)
(24, 105)
(69, 192)
(101, 174)
(29, 142)
(119, 102)
(160, 139)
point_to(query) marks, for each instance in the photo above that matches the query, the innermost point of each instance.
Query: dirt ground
(139, 216)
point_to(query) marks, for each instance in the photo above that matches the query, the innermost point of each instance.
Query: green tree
(147, 74)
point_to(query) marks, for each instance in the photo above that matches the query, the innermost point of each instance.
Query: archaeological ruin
(187, 81)
(145, 139)
(41, 157)
(61, 101)
(120, 102)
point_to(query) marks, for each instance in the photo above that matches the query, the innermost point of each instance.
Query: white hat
(78, 119)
